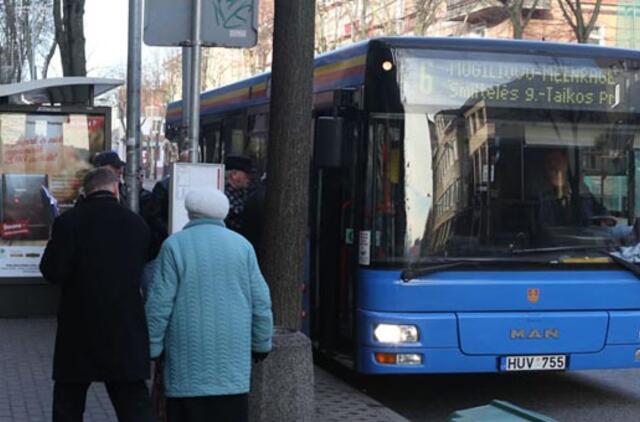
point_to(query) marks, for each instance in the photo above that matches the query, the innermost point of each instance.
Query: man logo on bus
(533, 295)
(535, 333)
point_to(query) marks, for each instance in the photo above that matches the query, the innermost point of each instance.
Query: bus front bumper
(441, 348)
(434, 361)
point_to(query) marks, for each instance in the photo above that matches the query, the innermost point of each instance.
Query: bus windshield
(496, 152)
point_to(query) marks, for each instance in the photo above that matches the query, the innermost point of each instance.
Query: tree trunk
(12, 54)
(69, 24)
(518, 30)
(289, 151)
(28, 38)
(363, 19)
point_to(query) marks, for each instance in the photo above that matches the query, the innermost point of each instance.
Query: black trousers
(130, 400)
(232, 408)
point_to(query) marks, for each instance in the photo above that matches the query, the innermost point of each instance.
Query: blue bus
(473, 204)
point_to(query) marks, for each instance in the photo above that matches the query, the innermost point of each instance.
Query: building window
(597, 36)
(479, 31)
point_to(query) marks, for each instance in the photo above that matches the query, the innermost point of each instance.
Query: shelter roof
(68, 90)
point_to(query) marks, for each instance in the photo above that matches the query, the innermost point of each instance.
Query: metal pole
(133, 104)
(194, 119)
(186, 97)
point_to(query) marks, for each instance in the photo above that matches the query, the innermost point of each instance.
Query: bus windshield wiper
(628, 265)
(443, 264)
(411, 273)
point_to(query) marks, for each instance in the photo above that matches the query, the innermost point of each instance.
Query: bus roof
(339, 68)
(345, 67)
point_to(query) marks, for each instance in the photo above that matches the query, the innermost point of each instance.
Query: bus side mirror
(328, 140)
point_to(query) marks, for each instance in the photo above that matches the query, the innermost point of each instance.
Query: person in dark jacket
(253, 218)
(237, 188)
(96, 254)
(159, 219)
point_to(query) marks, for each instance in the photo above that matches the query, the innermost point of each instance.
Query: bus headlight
(392, 333)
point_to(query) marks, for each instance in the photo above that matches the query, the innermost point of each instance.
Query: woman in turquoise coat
(208, 311)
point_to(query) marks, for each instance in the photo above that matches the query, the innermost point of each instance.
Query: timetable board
(184, 178)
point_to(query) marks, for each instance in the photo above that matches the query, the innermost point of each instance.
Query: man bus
(428, 247)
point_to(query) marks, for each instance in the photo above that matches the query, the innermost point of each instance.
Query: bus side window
(256, 148)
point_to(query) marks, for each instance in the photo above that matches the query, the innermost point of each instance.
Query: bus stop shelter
(49, 131)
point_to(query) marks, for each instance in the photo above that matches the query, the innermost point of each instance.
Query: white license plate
(533, 363)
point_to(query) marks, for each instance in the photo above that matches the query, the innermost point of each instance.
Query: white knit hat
(206, 203)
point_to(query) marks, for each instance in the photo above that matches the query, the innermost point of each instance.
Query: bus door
(210, 143)
(333, 246)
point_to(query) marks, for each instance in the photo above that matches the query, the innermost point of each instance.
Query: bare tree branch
(594, 18)
(515, 10)
(48, 58)
(24, 26)
(575, 15)
(425, 14)
(566, 13)
(529, 14)
(578, 14)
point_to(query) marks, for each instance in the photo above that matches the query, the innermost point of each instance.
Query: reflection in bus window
(401, 209)
(518, 152)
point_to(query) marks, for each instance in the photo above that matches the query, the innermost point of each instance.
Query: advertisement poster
(20, 261)
(43, 158)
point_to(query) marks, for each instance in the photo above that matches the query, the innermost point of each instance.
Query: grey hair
(98, 179)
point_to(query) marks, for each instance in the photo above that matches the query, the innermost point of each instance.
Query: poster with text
(43, 158)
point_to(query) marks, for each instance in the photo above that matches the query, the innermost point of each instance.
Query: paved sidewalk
(26, 351)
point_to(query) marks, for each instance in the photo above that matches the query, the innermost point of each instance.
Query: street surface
(612, 396)
(26, 353)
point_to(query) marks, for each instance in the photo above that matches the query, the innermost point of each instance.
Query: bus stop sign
(224, 23)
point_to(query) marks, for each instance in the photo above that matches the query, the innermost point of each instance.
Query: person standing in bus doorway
(102, 331)
(209, 312)
(238, 188)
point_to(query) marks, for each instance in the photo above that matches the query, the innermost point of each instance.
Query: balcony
(486, 10)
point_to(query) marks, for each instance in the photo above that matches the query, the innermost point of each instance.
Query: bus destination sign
(455, 82)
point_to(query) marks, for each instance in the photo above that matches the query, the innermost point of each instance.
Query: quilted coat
(208, 308)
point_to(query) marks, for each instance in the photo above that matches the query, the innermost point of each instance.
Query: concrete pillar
(282, 386)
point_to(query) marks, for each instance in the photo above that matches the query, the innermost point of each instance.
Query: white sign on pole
(224, 23)
(364, 256)
(186, 177)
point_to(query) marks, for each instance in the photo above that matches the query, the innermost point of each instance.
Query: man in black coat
(253, 218)
(96, 253)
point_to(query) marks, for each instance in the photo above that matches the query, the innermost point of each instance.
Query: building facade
(342, 22)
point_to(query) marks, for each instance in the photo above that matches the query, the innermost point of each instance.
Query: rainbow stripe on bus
(344, 67)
